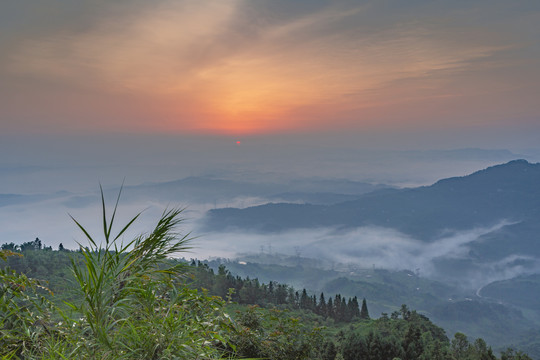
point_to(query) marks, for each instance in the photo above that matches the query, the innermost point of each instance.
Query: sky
(244, 68)
(100, 92)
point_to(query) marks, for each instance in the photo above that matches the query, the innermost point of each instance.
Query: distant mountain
(468, 230)
(521, 291)
(203, 189)
(461, 154)
(504, 192)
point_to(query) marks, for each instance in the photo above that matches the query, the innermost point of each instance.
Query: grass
(132, 303)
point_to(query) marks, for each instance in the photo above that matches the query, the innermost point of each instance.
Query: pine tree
(313, 303)
(304, 300)
(344, 316)
(281, 294)
(330, 309)
(338, 311)
(364, 314)
(352, 308)
(321, 309)
(356, 307)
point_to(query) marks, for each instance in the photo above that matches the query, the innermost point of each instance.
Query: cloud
(239, 66)
(152, 48)
(368, 247)
(445, 259)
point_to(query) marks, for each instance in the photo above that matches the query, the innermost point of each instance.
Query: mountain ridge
(507, 191)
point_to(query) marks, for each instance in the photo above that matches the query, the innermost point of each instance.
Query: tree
(338, 308)
(355, 347)
(321, 309)
(329, 351)
(405, 312)
(271, 334)
(364, 313)
(31, 245)
(11, 247)
(511, 354)
(330, 309)
(304, 300)
(412, 344)
(459, 345)
(281, 294)
(221, 284)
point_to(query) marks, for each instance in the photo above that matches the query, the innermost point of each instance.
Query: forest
(132, 300)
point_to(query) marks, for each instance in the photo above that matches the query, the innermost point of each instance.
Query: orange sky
(241, 67)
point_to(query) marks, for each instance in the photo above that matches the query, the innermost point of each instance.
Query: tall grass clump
(133, 302)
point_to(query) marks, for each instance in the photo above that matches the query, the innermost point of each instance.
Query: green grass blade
(115, 208)
(104, 212)
(127, 226)
(84, 231)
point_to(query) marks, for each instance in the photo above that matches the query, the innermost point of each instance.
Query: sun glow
(209, 67)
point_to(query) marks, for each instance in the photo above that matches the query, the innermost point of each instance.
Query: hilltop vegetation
(191, 323)
(500, 323)
(156, 314)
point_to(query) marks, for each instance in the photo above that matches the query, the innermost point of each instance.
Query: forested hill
(504, 192)
(145, 316)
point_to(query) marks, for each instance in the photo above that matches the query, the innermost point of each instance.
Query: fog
(57, 179)
(375, 247)
(38, 164)
(360, 248)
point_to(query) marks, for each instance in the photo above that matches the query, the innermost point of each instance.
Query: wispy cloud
(240, 66)
(368, 247)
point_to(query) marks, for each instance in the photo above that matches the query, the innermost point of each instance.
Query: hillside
(205, 189)
(468, 230)
(448, 305)
(281, 325)
(507, 191)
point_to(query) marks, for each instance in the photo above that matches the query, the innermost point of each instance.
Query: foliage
(24, 311)
(511, 354)
(53, 268)
(166, 319)
(252, 292)
(410, 336)
(131, 303)
(132, 306)
(271, 334)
